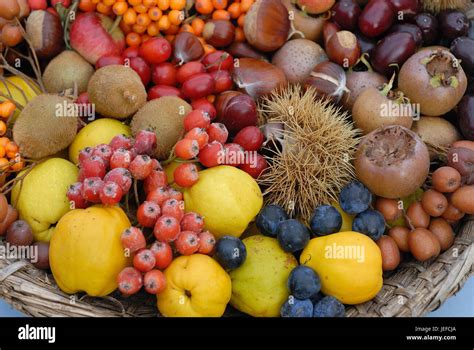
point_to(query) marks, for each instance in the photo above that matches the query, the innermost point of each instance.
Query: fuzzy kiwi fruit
(165, 116)
(436, 132)
(66, 71)
(297, 58)
(47, 125)
(117, 91)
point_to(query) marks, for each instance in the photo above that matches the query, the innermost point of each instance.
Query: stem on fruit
(388, 87)
(135, 192)
(115, 24)
(363, 59)
(293, 31)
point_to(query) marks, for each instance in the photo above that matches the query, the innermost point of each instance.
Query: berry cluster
(206, 142)
(106, 172)
(164, 212)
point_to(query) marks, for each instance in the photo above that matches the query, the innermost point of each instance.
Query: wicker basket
(413, 290)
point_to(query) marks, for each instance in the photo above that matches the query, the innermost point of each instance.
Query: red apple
(91, 38)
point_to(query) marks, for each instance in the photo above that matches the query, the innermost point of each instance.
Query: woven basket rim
(413, 290)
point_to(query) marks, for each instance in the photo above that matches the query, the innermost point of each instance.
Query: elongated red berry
(186, 174)
(166, 229)
(111, 193)
(129, 281)
(141, 167)
(148, 213)
(156, 179)
(196, 119)
(212, 155)
(187, 243)
(198, 134)
(218, 132)
(154, 282)
(186, 149)
(133, 239)
(192, 221)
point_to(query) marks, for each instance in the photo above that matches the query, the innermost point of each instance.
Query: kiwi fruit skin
(67, 70)
(39, 131)
(117, 91)
(165, 116)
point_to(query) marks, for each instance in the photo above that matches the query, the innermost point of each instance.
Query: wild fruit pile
(278, 156)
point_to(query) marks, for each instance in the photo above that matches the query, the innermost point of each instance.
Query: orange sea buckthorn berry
(170, 38)
(164, 23)
(140, 8)
(119, 8)
(219, 4)
(145, 37)
(6, 109)
(187, 28)
(176, 17)
(139, 29)
(3, 128)
(134, 2)
(143, 19)
(221, 14)
(239, 35)
(172, 30)
(133, 39)
(96, 1)
(86, 6)
(130, 17)
(241, 20)
(204, 7)
(125, 27)
(234, 10)
(164, 4)
(152, 29)
(108, 2)
(103, 9)
(245, 5)
(149, 3)
(4, 141)
(155, 13)
(2, 152)
(198, 25)
(177, 4)
(11, 147)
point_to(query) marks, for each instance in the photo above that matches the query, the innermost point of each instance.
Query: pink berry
(148, 213)
(175, 194)
(129, 281)
(212, 154)
(250, 138)
(111, 193)
(154, 282)
(121, 141)
(133, 239)
(141, 167)
(192, 221)
(163, 254)
(93, 167)
(234, 154)
(145, 142)
(197, 119)
(166, 229)
(158, 195)
(187, 243)
(256, 167)
(144, 260)
(156, 179)
(207, 242)
(186, 149)
(121, 158)
(74, 194)
(217, 132)
(91, 188)
(198, 134)
(85, 154)
(156, 164)
(120, 176)
(104, 152)
(186, 174)
(173, 207)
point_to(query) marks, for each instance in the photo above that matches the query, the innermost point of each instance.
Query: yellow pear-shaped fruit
(86, 252)
(228, 199)
(259, 285)
(101, 131)
(196, 286)
(349, 265)
(41, 197)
